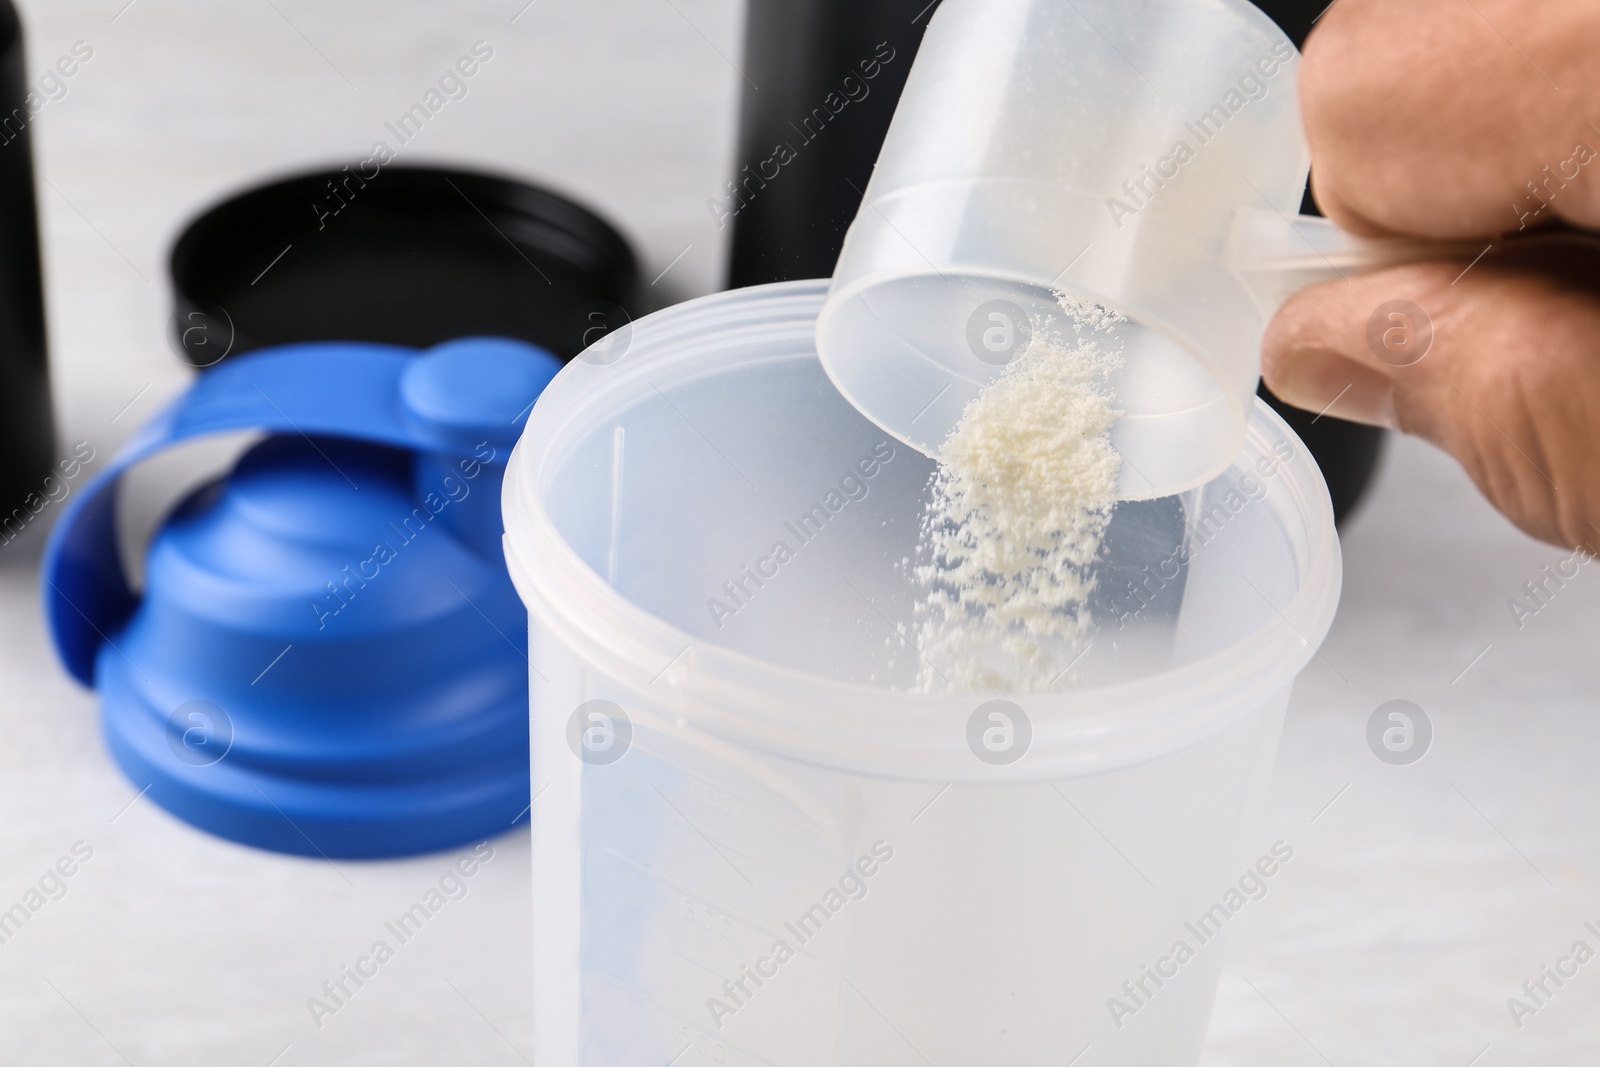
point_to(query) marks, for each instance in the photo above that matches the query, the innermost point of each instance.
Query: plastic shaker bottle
(756, 844)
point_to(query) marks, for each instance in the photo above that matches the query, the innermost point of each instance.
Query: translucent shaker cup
(753, 844)
(1142, 154)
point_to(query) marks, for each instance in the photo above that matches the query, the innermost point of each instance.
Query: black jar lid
(408, 255)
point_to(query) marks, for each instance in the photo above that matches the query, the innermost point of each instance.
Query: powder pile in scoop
(1018, 508)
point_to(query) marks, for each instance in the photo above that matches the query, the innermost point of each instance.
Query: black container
(798, 52)
(792, 226)
(27, 424)
(405, 255)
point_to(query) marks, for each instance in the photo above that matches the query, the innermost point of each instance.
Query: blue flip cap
(328, 657)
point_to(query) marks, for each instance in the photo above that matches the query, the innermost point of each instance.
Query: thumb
(1496, 362)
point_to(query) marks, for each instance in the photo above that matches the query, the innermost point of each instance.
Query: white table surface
(1415, 905)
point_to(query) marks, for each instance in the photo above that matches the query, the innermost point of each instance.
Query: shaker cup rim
(866, 728)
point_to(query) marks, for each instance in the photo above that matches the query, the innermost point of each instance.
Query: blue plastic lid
(329, 657)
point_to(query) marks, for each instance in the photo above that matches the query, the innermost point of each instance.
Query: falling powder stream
(1020, 502)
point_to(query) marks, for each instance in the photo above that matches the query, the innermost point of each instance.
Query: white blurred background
(1417, 902)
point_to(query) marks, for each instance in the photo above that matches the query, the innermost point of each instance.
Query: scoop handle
(1276, 255)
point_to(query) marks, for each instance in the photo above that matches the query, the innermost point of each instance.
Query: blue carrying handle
(342, 389)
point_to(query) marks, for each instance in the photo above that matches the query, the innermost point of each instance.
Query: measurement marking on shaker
(273, 664)
(279, 1056)
(642, 996)
(703, 837)
(723, 842)
(756, 807)
(619, 439)
(1079, 1056)
(810, 829)
(695, 894)
(1479, 1056)
(713, 972)
(679, 1056)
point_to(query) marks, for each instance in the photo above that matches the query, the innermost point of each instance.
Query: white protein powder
(1020, 502)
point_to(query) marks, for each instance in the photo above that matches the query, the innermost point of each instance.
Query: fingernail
(1327, 383)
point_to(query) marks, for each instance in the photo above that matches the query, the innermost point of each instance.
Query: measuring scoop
(1144, 155)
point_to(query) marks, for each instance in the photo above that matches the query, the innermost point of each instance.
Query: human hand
(1425, 119)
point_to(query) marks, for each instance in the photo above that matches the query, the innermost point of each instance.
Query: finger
(1508, 383)
(1425, 118)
